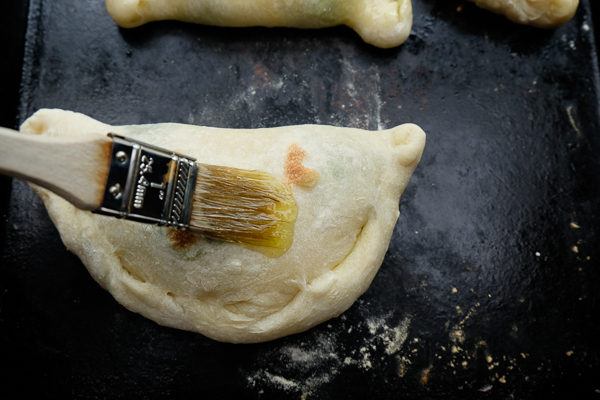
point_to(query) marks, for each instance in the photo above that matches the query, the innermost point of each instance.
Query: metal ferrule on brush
(148, 184)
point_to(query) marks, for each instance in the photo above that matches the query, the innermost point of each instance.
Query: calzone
(540, 13)
(383, 23)
(346, 184)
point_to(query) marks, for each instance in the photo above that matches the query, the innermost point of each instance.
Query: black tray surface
(490, 285)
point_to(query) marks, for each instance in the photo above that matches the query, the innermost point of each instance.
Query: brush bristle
(247, 207)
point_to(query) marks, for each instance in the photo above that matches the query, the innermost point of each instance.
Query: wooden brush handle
(73, 168)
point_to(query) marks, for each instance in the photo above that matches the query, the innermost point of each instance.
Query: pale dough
(383, 23)
(539, 13)
(346, 216)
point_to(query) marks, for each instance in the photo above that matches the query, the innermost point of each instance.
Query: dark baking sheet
(490, 285)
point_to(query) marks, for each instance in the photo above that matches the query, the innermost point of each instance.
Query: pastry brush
(125, 178)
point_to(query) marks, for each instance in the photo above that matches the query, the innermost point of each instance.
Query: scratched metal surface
(490, 285)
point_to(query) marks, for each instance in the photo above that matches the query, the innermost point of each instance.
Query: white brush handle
(73, 168)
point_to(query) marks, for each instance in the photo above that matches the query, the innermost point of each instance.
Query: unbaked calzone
(383, 23)
(540, 13)
(346, 183)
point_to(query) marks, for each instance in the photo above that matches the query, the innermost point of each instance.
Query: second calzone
(539, 13)
(382, 23)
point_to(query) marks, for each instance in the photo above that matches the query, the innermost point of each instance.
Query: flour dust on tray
(305, 368)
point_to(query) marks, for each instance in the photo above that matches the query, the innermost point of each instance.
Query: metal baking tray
(490, 285)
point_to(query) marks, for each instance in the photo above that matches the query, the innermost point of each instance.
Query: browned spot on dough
(36, 126)
(294, 172)
(143, 5)
(181, 239)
